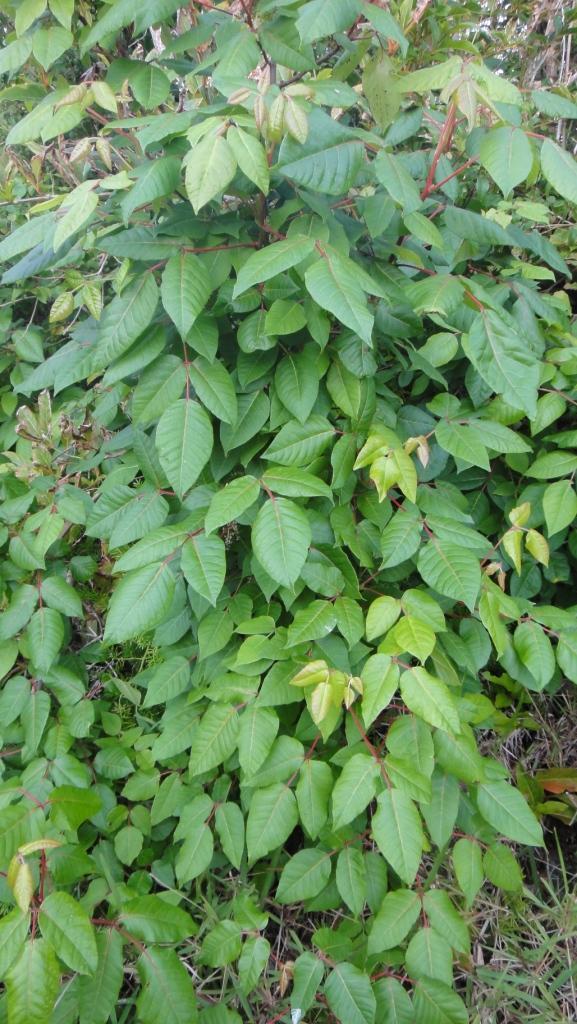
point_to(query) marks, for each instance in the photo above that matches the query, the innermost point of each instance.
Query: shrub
(287, 496)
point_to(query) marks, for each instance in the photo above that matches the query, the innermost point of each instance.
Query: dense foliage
(287, 494)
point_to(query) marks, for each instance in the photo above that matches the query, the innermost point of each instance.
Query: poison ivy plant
(287, 504)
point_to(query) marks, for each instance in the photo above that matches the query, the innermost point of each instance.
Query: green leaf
(281, 536)
(150, 87)
(504, 361)
(451, 570)
(350, 622)
(271, 818)
(250, 156)
(185, 290)
(253, 411)
(401, 537)
(552, 104)
(45, 635)
(313, 793)
(140, 601)
(70, 806)
(508, 812)
(534, 650)
(439, 294)
(170, 679)
(393, 1002)
(48, 44)
(258, 729)
(34, 718)
(330, 159)
(295, 483)
(553, 464)
(13, 55)
(506, 155)
(195, 855)
(382, 614)
(429, 955)
(380, 86)
(66, 927)
(203, 562)
(27, 13)
(462, 442)
(59, 594)
(497, 437)
(350, 879)
(215, 739)
(230, 503)
(159, 387)
(13, 931)
(468, 867)
(252, 962)
(559, 506)
(210, 167)
(126, 317)
(271, 261)
(154, 179)
(214, 632)
(313, 622)
(152, 919)
(307, 977)
(398, 833)
(320, 18)
(32, 984)
(401, 187)
(380, 677)
(430, 699)
(436, 1003)
(297, 384)
(98, 995)
(229, 824)
(413, 636)
(76, 209)
(167, 995)
(158, 544)
(354, 789)
(213, 385)
(330, 282)
(350, 996)
(559, 169)
(184, 443)
(123, 13)
(304, 875)
(222, 945)
(446, 920)
(297, 444)
(502, 869)
(398, 913)
(440, 812)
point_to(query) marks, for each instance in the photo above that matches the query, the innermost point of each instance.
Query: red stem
(443, 144)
